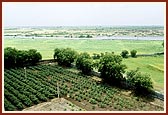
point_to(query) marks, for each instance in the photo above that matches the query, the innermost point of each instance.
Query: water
(95, 38)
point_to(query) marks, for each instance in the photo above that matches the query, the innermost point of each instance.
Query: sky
(83, 14)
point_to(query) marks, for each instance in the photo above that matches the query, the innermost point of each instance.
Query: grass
(46, 46)
(154, 66)
(151, 65)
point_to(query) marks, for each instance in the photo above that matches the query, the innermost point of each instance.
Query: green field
(154, 66)
(39, 85)
(46, 46)
(151, 65)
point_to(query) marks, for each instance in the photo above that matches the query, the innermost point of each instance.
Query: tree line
(109, 65)
(20, 58)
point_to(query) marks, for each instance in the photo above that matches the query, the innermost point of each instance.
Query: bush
(10, 57)
(65, 56)
(124, 54)
(111, 68)
(141, 83)
(133, 53)
(20, 58)
(85, 63)
(96, 56)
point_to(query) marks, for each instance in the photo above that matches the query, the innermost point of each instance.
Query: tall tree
(111, 68)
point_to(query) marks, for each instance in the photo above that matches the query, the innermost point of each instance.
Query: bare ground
(56, 104)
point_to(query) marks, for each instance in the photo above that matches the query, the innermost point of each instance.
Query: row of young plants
(40, 84)
(110, 67)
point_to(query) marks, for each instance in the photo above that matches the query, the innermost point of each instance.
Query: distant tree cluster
(20, 58)
(85, 36)
(125, 53)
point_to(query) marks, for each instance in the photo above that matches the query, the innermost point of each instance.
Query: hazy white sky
(82, 14)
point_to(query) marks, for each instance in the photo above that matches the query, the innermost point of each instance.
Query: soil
(57, 104)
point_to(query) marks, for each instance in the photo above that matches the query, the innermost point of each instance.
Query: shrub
(141, 83)
(85, 63)
(65, 56)
(124, 54)
(111, 68)
(96, 56)
(133, 53)
(20, 58)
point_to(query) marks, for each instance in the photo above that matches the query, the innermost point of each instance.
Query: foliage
(10, 57)
(111, 68)
(40, 85)
(20, 58)
(96, 56)
(133, 53)
(124, 54)
(83, 45)
(56, 52)
(141, 83)
(85, 63)
(33, 56)
(65, 56)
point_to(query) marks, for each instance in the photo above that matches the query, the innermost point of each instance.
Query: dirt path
(55, 105)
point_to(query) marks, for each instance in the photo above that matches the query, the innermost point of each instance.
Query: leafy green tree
(133, 53)
(111, 68)
(22, 58)
(87, 66)
(141, 83)
(88, 36)
(85, 63)
(56, 52)
(19, 58)
(10, 57)
(33, 56)
(124, 54)
(65, 56)
(96, 56)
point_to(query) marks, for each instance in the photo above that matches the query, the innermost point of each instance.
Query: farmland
(46, 48)
(34, 85)
(154, 66)
(39, 85)
(84, 31)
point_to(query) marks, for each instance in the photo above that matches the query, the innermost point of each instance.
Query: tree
(85, 63)
(10, 57)
(33, 56)
(111, 68)
(56, 52)
(65, 56)
(163, 43)
(141, 83)
(133, 53)
(87, 66)
(96, 56)
(124, 54)
(88, 36)
(20, 58)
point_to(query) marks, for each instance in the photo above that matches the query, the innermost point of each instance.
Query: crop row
(40, 84)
